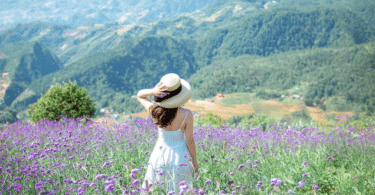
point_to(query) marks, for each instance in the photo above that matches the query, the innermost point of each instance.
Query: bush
(302, 114)
(235, 120)
(256, 120)
(9, 115)
(210, 119)
(263, 94)
(309, 102)
(58, 102)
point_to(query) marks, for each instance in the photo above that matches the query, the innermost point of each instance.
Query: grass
(71, 158)
(237, 98)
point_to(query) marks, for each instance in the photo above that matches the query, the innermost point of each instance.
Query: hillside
(344, 72)
(119, 73)
(71, 43)
(284, 29)
(21, 64)
(82, 12)
(265, 51)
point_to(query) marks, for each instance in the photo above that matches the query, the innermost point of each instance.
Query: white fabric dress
(169, 152)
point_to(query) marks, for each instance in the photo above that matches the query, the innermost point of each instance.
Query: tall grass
(74, 158)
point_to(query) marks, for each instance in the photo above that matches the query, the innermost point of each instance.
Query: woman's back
(179, 121)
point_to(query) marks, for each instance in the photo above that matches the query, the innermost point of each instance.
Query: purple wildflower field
(67, 157)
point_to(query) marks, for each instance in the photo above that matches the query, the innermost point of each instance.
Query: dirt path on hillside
(202, 107)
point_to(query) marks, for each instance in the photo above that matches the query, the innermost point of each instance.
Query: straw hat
(179, 94)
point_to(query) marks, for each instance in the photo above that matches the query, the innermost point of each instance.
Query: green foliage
(235, 120)
(338, 104)
(302, 115)
(267, 94)
(210, 119)
(318, 67)
(229, 56)
(283, 29)
(9, 115)
(70, 102)
(256, 120)
(235, 99)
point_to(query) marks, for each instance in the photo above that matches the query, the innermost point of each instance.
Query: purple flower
(160, 172)
(201, 191)
(170, 193)
(81, 189)
(208, 182)
(230, 182)
(290, 191)
(136, 182)
(100, 176)
(93, 184)
(305, 163)
(135, 170)
(328, 158)
(106, 164)
(304, 175)
(182, 164)
(17, 178)
(241, 166)
(109, 182)
(301, 183)
(184, 187)
(109, 188)
(146, 153)
(255, 166)
(315, 187)
(231, 173)
(329, 170)
(249, 162)
(183, 182)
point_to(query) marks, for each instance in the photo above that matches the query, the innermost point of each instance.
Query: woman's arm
(143, 98)
(143, 94)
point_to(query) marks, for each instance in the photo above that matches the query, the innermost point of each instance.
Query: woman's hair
(162, 116)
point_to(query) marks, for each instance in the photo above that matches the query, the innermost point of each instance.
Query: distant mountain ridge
(117, 60)
(83, 12)
(72, 43)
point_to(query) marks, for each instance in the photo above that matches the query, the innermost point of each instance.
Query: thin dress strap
(184, 119)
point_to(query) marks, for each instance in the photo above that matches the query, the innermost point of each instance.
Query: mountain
(114, 61)
(83, 12)
(24, 63)
(324, 72)
(71, 43)
(283, 29)
(133, 64)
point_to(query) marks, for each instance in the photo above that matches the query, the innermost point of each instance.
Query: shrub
(9, 115)
(70, 102)
(210, 119)
(255, 120)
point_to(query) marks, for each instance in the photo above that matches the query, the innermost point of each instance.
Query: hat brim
(179, 99)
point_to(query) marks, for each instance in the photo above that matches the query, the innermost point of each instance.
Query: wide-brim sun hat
(179, 93)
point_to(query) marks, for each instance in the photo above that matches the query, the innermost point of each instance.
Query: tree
(8, 115)
(70, 102)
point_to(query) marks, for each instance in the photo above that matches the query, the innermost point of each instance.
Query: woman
(170, 161)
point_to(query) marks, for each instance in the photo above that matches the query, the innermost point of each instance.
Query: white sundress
(169, 152)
